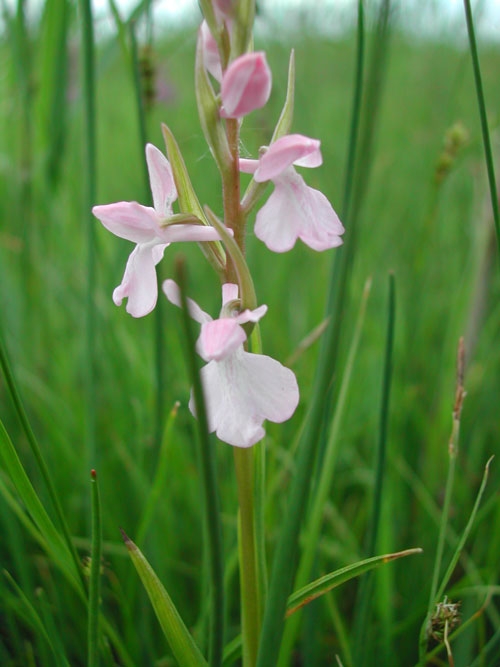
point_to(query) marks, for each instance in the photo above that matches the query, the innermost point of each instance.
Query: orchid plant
(242, 388)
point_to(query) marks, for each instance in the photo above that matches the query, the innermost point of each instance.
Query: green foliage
(427, 221)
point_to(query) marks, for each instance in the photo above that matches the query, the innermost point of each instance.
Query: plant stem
(233, 214)
(249, 581)
(244, 459)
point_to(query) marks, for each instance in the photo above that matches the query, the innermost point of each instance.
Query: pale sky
(431, 15)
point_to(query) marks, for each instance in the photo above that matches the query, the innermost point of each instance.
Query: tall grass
(415, 196)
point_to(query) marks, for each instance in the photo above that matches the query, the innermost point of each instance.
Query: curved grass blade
(183, 646)
(323, 585)
(16, 465)
(334, 579)
(466, 533)
(57, 546)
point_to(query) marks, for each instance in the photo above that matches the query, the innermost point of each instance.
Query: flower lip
(286, 151)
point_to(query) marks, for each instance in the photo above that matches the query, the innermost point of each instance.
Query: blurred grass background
(425, 216)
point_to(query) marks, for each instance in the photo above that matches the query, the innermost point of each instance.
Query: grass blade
(365, 592)
(326, 583)
(95, 576)
(57, 546)
(37, 453)
(484, 120)
(89, 199)
(182, 644)
(312, 529)
(212, 505)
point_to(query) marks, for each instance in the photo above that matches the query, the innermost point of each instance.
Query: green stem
(95, 576)
(233, 213)
(249, 580)
(484, 120)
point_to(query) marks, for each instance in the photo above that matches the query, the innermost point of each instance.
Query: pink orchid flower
(294, 210)
(246, 85)
(143, 226)
(241, 389)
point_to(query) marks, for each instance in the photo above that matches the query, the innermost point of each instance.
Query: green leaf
(188, 200)
(247, 289)
(183, 646)
(329, 581)
(285, 120)
(52, 78)
(55, 544)
(255, 190)
(243, 27)
(319, 587)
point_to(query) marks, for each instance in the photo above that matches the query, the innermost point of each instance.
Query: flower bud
(246, 85)
(210, 52)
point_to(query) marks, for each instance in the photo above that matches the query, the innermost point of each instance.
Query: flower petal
(244, 390)
(294, 211)
(227, 413)
(173, 294)
(184, 232)
(129, 220)
(248, 166)
(278, 222)
(251, 315)
(229, 292)
(273, 388)
(220, 338)
(325, 228)
(246, 85)
(161, 180)
(288, 150)
(139, 283)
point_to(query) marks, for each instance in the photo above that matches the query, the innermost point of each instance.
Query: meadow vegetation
(421, 203)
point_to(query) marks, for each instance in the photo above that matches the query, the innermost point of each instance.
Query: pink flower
(246, 85)
(241, 389)
(294, 210)
(142, 225)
